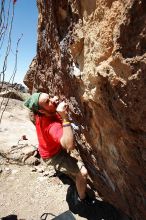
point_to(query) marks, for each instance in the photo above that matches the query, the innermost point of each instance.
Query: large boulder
(106, 41)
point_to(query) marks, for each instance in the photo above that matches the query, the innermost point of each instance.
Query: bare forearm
(67, 140)
(67, 137)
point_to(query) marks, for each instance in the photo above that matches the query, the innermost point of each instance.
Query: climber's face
(48, 104)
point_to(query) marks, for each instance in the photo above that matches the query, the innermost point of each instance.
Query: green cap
(33, 102)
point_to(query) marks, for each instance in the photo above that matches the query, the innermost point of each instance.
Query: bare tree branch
(12, 77)
(2, 74)
(6, 22)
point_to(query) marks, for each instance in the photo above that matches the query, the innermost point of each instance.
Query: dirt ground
(26, 191)
(32, 192)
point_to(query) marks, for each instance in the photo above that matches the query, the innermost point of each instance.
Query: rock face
(93, 54)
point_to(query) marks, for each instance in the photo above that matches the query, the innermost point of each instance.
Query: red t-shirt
(49, 131)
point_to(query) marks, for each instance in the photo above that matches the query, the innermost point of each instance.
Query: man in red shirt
(55, 137)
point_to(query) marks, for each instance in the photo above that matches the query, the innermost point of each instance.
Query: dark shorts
(64, 163)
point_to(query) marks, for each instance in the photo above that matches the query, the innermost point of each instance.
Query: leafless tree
(7, 9)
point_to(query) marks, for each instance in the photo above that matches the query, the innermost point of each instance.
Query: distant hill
(13, 91)
(17, 86)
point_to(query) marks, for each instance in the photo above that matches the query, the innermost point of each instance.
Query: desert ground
(27, 191)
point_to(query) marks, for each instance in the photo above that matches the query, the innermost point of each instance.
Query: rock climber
(55, 137)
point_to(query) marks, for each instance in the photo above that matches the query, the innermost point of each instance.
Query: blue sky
(25, 22)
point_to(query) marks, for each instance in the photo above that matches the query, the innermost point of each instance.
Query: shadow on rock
(10, 217)
(98, 211)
